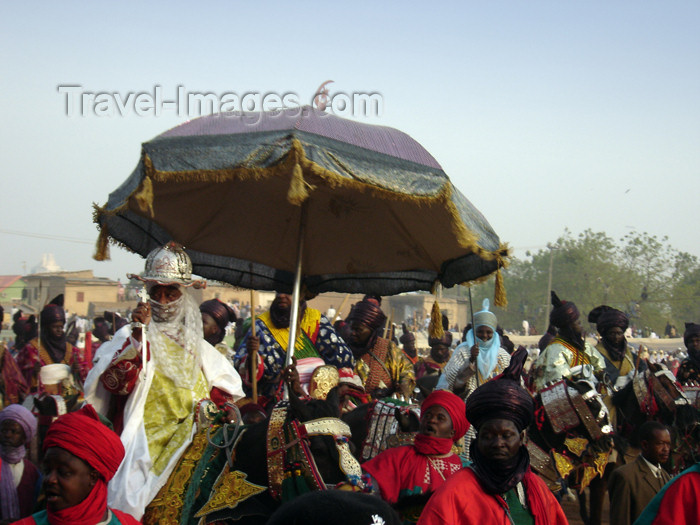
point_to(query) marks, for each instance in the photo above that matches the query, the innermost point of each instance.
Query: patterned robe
(560, 357)
(34, 353)
(318, 339)
(395, 371)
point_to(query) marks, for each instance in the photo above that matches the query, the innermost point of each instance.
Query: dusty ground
(571, 510)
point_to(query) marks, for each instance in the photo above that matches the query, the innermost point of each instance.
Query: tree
(641, 275)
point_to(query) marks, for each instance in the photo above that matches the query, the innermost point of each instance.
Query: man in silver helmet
(153, 406)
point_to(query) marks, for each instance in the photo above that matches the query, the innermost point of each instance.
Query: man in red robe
(498, 487)
(406, 476)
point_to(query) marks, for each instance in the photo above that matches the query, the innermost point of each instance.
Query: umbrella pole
(471, 310)
(253, 355)
(296, 292)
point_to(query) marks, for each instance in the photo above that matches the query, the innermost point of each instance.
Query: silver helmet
(168, 264)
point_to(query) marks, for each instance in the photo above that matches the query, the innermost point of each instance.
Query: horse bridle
(278, 446)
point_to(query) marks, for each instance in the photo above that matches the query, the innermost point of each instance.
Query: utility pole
(548, 298)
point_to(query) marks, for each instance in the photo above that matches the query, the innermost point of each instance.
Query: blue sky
(547, 115)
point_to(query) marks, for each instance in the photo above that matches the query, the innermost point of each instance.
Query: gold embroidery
(275, 450)
(588, 474)
(601, 461)
(323, 380)
(230, 489)
(563, 464)
(166, 507)
(168, 415)
(576, 445)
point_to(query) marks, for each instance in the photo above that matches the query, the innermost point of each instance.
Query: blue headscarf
(488, 350)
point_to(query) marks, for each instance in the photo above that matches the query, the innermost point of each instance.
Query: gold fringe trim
(499, 293)
(297, 193)
(102, 246)
(502, 255)
(302, 170)
(435, 329)
(144, 197)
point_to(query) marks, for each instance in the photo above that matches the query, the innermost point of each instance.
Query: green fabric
(205, 474)
(519, 514)
(307, 349)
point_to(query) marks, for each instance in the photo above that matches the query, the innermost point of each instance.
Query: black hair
(646, 431)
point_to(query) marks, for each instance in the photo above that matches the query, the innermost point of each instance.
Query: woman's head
(17, 426)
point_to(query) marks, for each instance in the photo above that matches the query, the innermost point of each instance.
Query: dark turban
(53, 312)
(407, 336)
(691, 329)
(368, 312)
(606, 317)
(83, 434)
(100, 328)
(502, 398)
(564, 313)
(222, 313)
(116, 321)
(454, 406)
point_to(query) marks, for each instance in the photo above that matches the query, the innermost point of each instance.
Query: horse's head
(325, 436)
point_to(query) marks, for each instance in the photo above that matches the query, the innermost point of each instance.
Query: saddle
(383, 429)
(584, 452)
(654, 388)
(566, 409)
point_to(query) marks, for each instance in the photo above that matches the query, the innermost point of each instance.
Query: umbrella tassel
(102, 246)
(499, 294)
(297, 189)
(144, 197)
(435, 329)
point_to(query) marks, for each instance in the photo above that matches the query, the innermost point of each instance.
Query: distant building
(47, 265)
(81, 290)
(11, 288)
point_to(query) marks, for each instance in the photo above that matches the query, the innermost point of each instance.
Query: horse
(571, 439)
(235, 474)
(654, 395)
(378, 425)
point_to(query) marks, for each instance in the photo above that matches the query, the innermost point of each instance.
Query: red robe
(15, 386)
(462, 501)
(402, 471)
(679, 505)
(34, 353)
(41, 518)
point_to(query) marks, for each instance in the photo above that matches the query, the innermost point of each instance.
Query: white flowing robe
(136, 484)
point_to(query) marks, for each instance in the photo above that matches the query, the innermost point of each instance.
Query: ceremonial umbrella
(274, 200)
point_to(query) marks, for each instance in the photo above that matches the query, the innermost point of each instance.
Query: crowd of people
(124, 419)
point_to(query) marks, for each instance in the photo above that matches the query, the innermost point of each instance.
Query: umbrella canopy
(372, 209)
